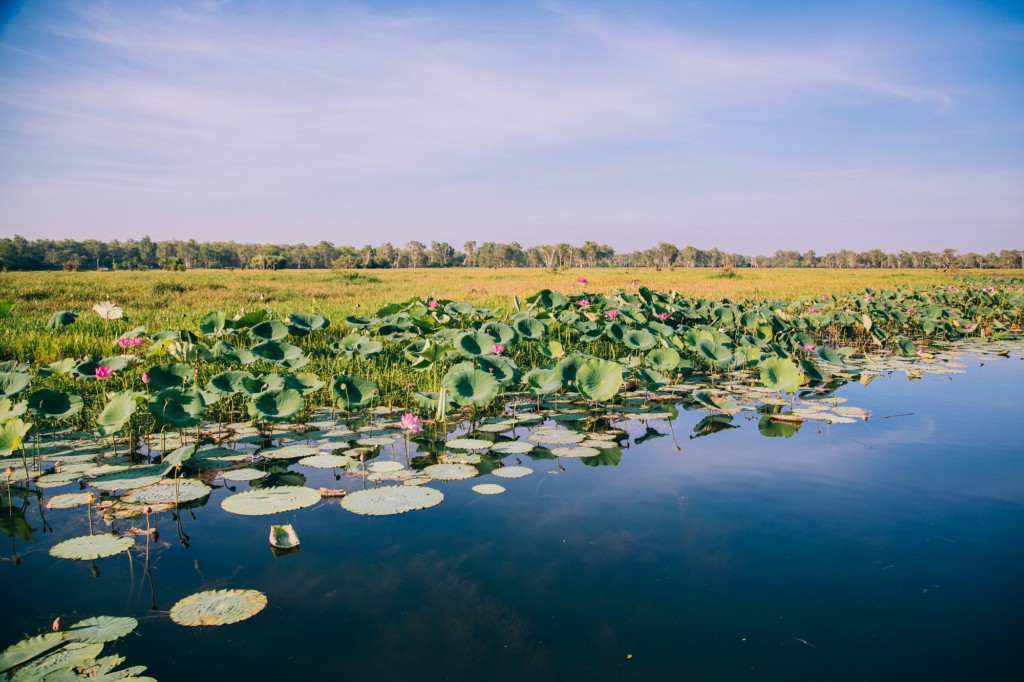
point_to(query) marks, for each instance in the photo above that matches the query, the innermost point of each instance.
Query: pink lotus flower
(433, 304)
(613, 314)
(662, 316)
(824, 297)
(910, 311)
(130, 342)
(634, 283)
(104, 372)
(145, 377)
(583, 303)
(812, 309)
(920, 352)
(583, 281)
(498, 348)
(808, 346)
(411, 422)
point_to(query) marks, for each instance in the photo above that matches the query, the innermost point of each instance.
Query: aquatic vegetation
(218, 607)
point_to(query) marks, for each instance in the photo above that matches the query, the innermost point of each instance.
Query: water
(891, 549)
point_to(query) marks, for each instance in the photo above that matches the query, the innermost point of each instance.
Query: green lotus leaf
(500, 333)
(349, 392)
(907, 347)
(530, 328)
(392, 499)
(116, 413)
(276, 351)
(271, 330)
(663, 359)
(65, 366)
(178, 407)
(177, 375)
(450, 472)
(780, 374)
(829, 355)
(69, 500)
(361, 322)
(245, 474)
(714, 353)
(551, 349)
(218, 607)
(10, 409)
(6, 308)
(553, 436)
(470, 387)
(599, 380)
(278, 405)
(229, 383)
(133, 477)
(213, 323)
(293, 451)
(101, 629)
(50, 404)
(13, 383)
(301, 324)
(639, 339)
(270, 500)
(512, 447)
(11, 435)
(542, 381)
(468, 444)
(30, 648)
(88, 547)
(777, 429)
(548, 300)
(501, 368)
(473, 344)
(812, 372)
(61, 318)
(326, 461)
(567, 368)
(179, 456)
(303, 383)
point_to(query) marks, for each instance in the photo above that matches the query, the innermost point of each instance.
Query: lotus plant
(104, 372)
(613, 314)
(411, 423)
(498, 348)
(130, 342)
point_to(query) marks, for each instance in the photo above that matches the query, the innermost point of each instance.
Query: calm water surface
(885, 550)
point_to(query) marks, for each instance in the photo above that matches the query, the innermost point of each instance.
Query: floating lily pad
(134, 477)
(384, 467)
(375, 442)
(450, 472)
(512, 472)
(516, 447)
(469, 444)
(242, 475)
(218, 607)
(69, 500)
(323, 461)
(27, 649)
(101, 629)
(88, 547)
(556, 437)
(291, 451)
(575, 451)
(392, 499)
(270, 500)
(489, 489)
(59, 664)
(167, 491)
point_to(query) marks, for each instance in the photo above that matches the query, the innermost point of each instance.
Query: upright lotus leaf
(639, 339)
(500, 332)
(65, 366)
(279, 405)
(251, 385)
(301, 324)
(229, 383)
(177, 375)
(780, 374)
(116, 413)
(49, 404)
(253, 317)
(663, 359)
(812, 371)
(179, 456)
(6, 308)
(185, 351)
(108, 310)
(349, 392)
(907, 347)
(552, 350)
(469, 386)
(241, 356)
(599, 380)
(777, 429)
(530, 328)
(714, 353)
(542, 381)
(10, 409)
(271, 330)
(473, 344)
(61, 318)
(178, 407)
(13, 383)
(276, 351)
(829, 355)
(501, 368)
(652, 378)
(548, 300)
(567, 368)
(213, 323)
(303, 383)
(11, 435)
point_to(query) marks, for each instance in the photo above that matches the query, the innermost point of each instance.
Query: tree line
(18, 253)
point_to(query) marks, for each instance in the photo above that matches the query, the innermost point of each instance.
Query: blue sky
(750, 126)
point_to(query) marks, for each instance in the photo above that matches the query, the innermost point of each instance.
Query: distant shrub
(164, 288)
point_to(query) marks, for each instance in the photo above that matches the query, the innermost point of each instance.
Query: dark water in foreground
(885, 550)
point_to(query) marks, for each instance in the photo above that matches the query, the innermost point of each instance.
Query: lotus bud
(56, 624)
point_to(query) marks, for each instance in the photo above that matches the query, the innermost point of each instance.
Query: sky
(747, 126)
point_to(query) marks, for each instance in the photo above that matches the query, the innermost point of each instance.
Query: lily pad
(27, 649)
(515, 447)
(242, 475)
(469, 444)
(101, 629)
(489, 489)
(392, 499)
(556, 437)
(218, 607)
(186, 490)
(69, 500)
(512, 472)
(450, 472)
(88, 547)
(270, 500)
(326, 461)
